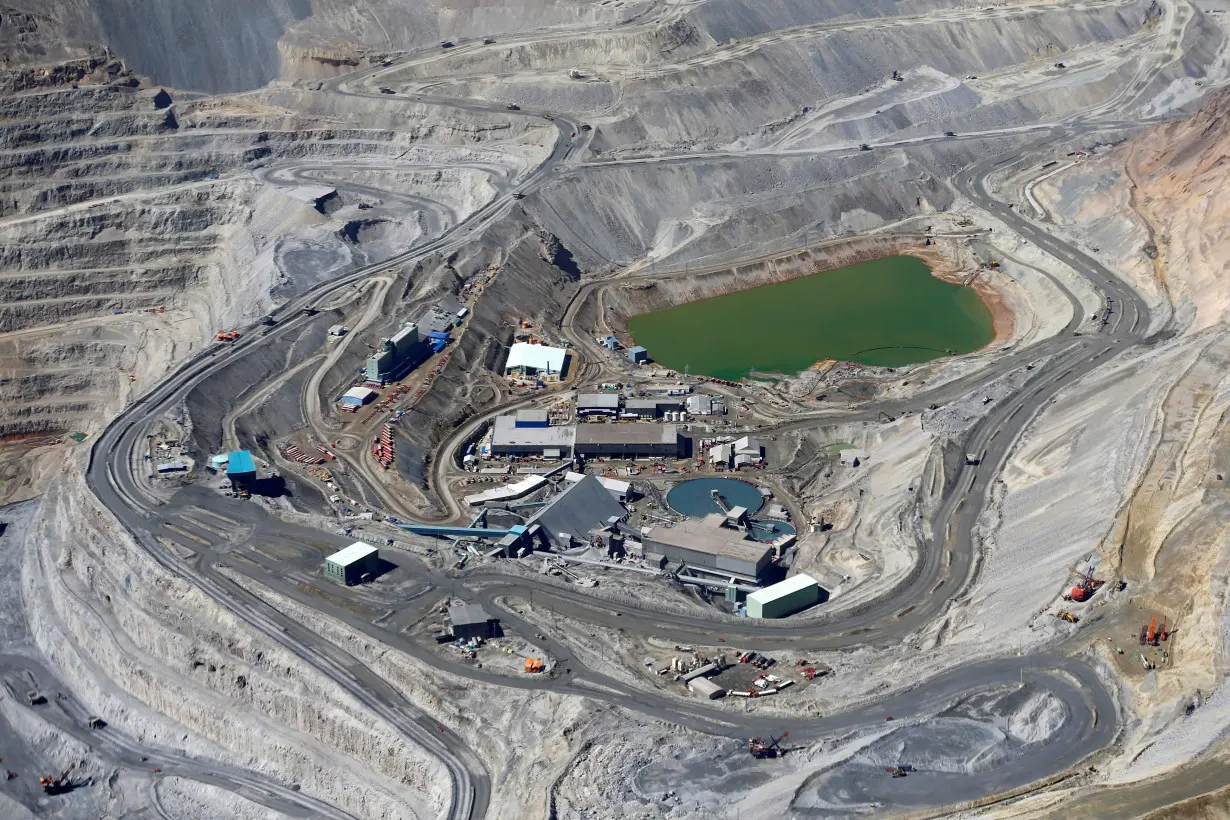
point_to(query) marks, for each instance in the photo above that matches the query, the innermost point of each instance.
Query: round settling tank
(695, 498)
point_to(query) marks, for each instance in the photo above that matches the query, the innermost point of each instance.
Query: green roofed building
(785, 598)
(348, 566)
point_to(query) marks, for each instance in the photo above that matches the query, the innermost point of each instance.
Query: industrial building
(348, 566)
(508, 438)
(531, 418)
(716, 544)
(702, 405)
(240, 468)
(650, 408)
(627, 440)
(638, 355)
(619, 489)
(572, 515)
(598, 404)
(747, 451)
(796, 593)
(338, 331)
(356, 397)
(470, 621)
(396, 356)
(507, 492)
(706, 688)
(527, 360)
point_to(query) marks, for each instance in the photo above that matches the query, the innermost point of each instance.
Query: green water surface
(889, 312)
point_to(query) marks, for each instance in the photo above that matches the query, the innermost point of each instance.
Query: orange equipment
(1085, 587)
(226, 335)
(1151, 635)
(533, 665)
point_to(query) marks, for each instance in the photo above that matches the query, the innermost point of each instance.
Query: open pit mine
(584, 409)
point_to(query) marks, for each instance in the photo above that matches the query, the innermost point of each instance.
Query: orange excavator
(227, 335)
(1085, 586)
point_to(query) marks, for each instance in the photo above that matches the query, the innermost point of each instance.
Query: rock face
(1180, 175)
(1161, 208)
(133, 227)
(215, 45)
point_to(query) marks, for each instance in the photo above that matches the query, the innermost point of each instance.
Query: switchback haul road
(942, 574)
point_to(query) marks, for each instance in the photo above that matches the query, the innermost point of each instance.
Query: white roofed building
(529, 360)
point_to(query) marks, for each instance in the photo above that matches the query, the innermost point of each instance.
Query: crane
(759, 749)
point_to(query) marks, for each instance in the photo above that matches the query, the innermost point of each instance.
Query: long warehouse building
(794, 594)
(510, 438)
(627, 440)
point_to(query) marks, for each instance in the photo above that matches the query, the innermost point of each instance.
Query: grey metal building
(627, 440)
(396, 356)
(598, 404)
(508, 438)
(570, 517)
(709, 545)
(470, 621)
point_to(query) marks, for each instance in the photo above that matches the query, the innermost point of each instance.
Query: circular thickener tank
(695, 498)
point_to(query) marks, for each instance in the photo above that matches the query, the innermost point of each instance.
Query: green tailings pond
(889, 312)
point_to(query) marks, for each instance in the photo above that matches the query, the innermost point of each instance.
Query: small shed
(706, 688)
(337, 331)
(349, 565)
(611, 342)
(470, 621)
(638, 354)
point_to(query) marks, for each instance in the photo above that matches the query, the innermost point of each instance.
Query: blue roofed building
(240, 467)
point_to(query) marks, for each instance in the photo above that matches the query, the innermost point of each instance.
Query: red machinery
(759, 749)
(1086, 585)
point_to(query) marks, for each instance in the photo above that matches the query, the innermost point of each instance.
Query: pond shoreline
(893, 311)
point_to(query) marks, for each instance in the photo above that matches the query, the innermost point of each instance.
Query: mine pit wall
(202, 252)
(140, 647)
(523, 747)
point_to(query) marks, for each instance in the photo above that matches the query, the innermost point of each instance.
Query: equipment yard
(699, 409)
